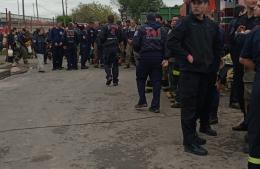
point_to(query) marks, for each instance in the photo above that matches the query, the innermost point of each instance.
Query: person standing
(1, 41)
(129, 47)
(99, 61)
(174, 73)
(110, 38)
(150, 42)
(238, 12)
(40, 43)
(23, 51)
(196, 56)
(57, 40)
(85, 46)
(70, 46)
(244, 24)
(250, 58)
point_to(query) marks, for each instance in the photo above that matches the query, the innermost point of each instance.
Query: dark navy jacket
(85, 38)
(85, 42)
(111, 36)
(98, 42)
(57, 35)
(22, 39)
(251, 48)
(150, 40)
(71, 39)
(93, 35)
(201, 39)
(239, 39)
(130, 33)
(39, 43)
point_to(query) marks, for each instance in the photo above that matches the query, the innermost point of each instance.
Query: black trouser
(239, 85)
(214, 97)
(85, 54)
(57, 57)
(71, 54)
(111, 64)
(195, 94)
(100, 58)
(174, 76)
(149, 67)
(233, 93)
(45, 57)
(254, 126)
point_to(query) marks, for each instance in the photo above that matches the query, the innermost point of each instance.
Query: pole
(66, 3)
(18, 7)
(6, 15)
(37, 9)
(10, 21)
(31, 24)
(63, 11)
(23, 13)
(33, 10)
(53, 21)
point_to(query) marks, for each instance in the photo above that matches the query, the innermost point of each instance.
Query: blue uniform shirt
(57, 35)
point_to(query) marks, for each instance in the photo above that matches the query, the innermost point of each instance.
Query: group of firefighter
(184, 54)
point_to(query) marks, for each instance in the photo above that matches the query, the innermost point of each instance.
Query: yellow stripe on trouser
(176, 73)
(255, 161)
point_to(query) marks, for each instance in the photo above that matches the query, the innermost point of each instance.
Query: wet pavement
(71, 120)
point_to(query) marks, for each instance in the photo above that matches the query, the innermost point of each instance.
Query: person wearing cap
(150, 42)
(195, 56)
(250, 58)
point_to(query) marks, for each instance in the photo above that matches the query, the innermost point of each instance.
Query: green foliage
(136, 7)
(92, 12)
(61, 19)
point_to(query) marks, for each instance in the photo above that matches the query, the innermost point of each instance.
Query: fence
(9, 21)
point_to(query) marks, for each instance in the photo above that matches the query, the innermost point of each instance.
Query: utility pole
(18, 6)
(23, 13)
(66, 3)
(37, 10)
(63, 12)
(9, 21)
(33, 10)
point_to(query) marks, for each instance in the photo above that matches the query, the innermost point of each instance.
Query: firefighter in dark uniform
(85, 46)
(56, 39)
(110, 38)
(149, 41)
(250, 57)
(195, 56)
(93, 36)
(98, 48)
(70, 44)
(244, 24)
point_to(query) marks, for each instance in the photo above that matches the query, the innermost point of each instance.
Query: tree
(134, 8)
(62, 19)
(92, 12)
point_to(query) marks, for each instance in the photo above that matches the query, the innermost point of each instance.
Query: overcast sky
(51, 8)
